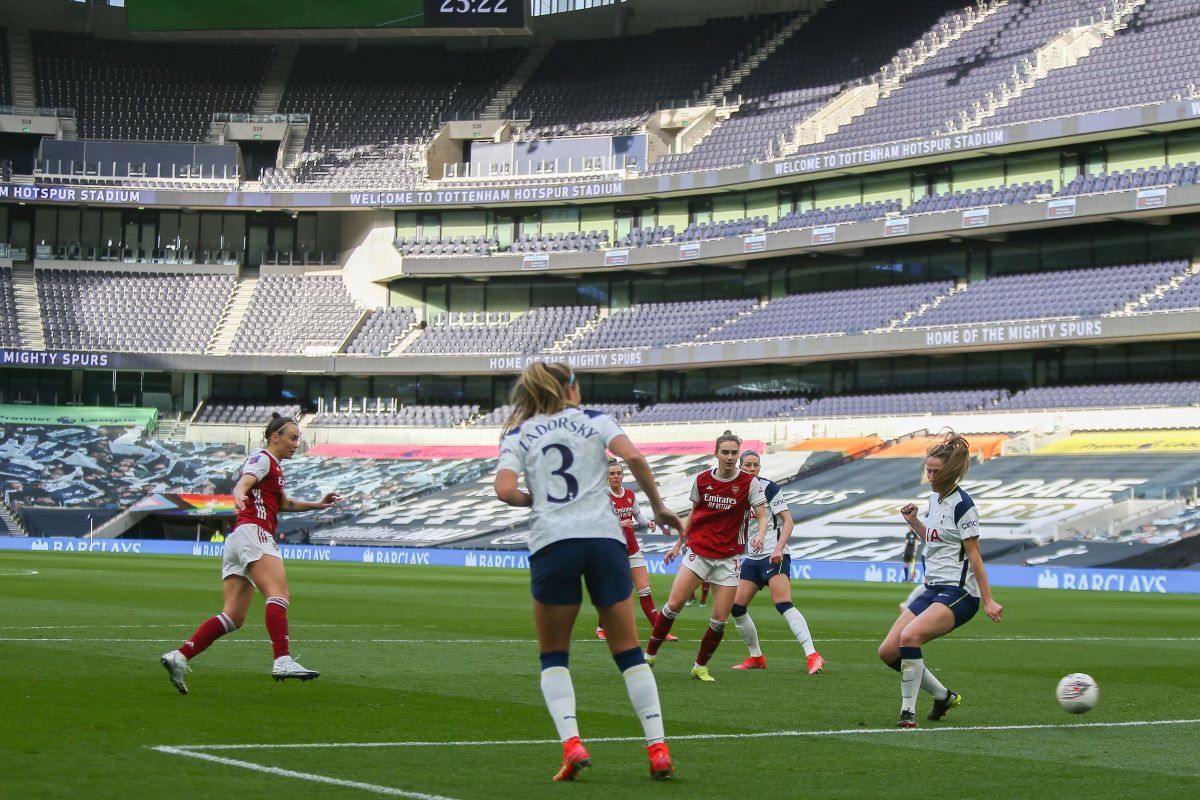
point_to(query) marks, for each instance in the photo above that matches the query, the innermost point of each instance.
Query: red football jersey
(262, 501)
(718, 509)
(626, 508)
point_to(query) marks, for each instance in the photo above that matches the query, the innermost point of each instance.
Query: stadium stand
(530, 332)
(621, 412)
(221, 412)
(296, 314)
(399, 416)
(568, 95)
(835, 312)
(830, 53)
(145, 91)
(1150, 60)
(1182, 393)
(384, 94)
(719, 410)
(964, 72)
(10, 333)
(1124, 180)
(368, 166)
(861, 212)
(5, 69)
(381, 330)
(1065, 293)
(931, 402)
(974, 198)
(130, 312)
(658, 324)
(1183, 295)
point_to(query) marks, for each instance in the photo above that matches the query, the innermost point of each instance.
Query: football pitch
(429, 689)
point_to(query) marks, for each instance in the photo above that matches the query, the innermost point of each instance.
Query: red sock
(277, 625)
(710, 643)
(648, 607)
(211, 630)
(662, 626)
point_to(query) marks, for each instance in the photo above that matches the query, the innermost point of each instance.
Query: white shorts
(718, 571)
(637, 560)
(247, 544)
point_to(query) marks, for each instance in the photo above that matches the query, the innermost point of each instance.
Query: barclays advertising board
(1061, 578)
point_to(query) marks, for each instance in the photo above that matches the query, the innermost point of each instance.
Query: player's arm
(625, 450)
(242, 488)
(990, 607)
(785, 532)
(909, 512)
(327, 501)
(507, 490)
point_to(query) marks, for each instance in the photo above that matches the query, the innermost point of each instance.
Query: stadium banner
(1151, 198)
(976, 217)
(421, 452)
(754, 243)
(1145, 441)
(896, 227)
(616, 258)
(78, 415)
(187, 505)
(1061, 208)
(689, 250)
(1014, 332)
(826, 234)
(535, 262)
(59, 358)
(1061, 578)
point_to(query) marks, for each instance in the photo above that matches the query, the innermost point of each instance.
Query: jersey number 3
(567, 460)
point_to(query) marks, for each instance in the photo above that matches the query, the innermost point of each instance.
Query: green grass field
(435, 671)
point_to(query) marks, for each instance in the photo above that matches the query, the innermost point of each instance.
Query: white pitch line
(974, 641)
(304, 776)
(201, 748)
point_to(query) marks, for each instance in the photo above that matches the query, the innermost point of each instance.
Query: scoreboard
(240, 15)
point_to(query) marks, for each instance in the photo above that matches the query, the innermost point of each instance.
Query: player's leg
(705, 588)
(555, 573)
(238, 593)
(269, 575)
(684, 586)
(723, 578)
(935, 620)
(781, 595)
(747, 588)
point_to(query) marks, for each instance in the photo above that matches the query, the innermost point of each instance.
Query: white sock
(931, 684)
(749, 633)
(560, 700)
(911, 672)
(799, 626)
(643, 694)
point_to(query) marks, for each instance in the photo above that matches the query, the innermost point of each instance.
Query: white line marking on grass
(200, 748)
(17, 573)
(975, 641)
(304, 776)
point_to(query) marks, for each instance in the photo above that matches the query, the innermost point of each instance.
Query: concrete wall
(369, 255)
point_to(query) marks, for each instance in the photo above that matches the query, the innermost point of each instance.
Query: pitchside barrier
(1078, 578)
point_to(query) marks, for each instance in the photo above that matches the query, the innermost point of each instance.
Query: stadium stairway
(20, 62)
(498, 105)
(275, 80)
(29, 314)
(297, 136)
(171, 430)
(739, 73)
(9, 523)
(232, 316)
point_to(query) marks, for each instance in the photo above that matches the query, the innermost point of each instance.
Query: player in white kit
(560, 449)
(955, 580)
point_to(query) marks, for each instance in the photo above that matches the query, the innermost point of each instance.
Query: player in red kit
(625, 506)
(252, 558)
(715, 537)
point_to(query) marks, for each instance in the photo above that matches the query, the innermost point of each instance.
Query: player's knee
(717, 625)
(237, 620)
(738, 610)
(783, 608)
(668, 612)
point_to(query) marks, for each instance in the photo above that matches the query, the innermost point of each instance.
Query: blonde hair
(541, 389)
(955, 453)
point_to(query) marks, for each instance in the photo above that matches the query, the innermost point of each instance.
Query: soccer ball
(1077, 693)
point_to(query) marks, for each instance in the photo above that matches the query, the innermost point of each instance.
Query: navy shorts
(603, 564)
(759, 571)
(957, 599)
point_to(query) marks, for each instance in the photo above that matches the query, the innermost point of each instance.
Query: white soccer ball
(1077, 693)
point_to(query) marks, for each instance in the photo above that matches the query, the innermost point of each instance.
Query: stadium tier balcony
(1182, 393)
(621, 412)
(861, 212)
(934, 402)
(836, 312)
(296, 314)
(382, 329)
(1124, 180)
(145, 91)
(399, 165)
(130, 312)
(568, 94)
(398, 416)
(719, 410)
(719, 230)
(10, 333)
(381, 94)
(1151, 60)
(462, 246)
(974, 198)
(659, 324)
(223, 412)
(500, 332)
(1184, 295)
(964, 72)
(1041, 295)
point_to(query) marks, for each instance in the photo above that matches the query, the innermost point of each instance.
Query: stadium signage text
(55, 359)
(619, 358)
(892, 152)
(1111, 580)
(1015, 332)
(518, 194)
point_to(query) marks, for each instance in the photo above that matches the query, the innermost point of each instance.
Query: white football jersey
(775, 506)
(947, 523)
(564, 460)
